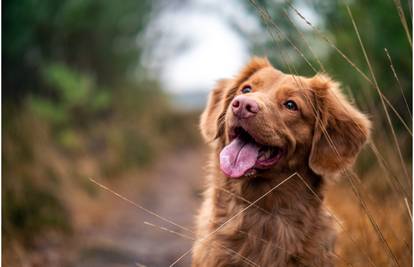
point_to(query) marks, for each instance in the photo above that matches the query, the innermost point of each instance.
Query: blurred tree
(98, 38)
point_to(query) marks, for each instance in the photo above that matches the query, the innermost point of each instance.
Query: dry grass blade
(371, 219)
(169, 230)
(230, 251)
(397, 114)
(304, 41)
(400, 10)
(398, 82)
(236, 215)
(380, 94)
(327, 40)
(408, 208)
(139, 206)
(398, 189)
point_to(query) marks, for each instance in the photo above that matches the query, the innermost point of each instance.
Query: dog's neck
(284, 190)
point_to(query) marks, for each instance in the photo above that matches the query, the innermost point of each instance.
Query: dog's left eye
(246, 89)
(290, 105)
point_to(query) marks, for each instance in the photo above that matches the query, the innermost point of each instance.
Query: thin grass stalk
(398, 82)
(229, 251)
(136, 205)
(401, 14)
(372, 220)
(399, 187)
(408, 208)
(305, 41)
(381, 95)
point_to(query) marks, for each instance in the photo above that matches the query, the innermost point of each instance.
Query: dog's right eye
(246, 89)
(291, 105)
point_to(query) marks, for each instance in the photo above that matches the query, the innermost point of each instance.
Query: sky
(209, 49)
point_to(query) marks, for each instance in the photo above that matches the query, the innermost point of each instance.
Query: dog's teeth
(268, 153)
(250, 173)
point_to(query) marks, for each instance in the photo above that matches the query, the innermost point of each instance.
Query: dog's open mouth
(244, 156)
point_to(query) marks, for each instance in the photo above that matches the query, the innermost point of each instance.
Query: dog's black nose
(244, 107)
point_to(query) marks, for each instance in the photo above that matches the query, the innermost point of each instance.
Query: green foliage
(76, 101)
(76, 96)
(94, 37)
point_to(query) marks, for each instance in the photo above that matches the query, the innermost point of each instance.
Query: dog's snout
(244, 107)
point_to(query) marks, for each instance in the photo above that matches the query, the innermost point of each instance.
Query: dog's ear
(340, 129)
(209, 121)
(212, 119)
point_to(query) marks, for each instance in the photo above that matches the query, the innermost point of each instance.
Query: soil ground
(122, 237)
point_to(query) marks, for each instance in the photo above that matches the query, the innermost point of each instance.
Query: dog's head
(267, 121)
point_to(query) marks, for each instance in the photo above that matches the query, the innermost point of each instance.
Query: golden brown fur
(288, 227)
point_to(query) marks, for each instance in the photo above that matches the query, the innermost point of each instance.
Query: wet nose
(244, 107)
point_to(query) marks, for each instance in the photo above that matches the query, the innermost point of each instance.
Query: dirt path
(172, 190)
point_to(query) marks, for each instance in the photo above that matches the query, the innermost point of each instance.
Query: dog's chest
(270, 239)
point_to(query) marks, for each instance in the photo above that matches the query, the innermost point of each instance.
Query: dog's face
(267, 121)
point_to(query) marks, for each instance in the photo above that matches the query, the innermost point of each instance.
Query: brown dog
(263, 126)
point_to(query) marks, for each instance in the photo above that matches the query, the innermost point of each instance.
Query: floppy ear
(340, 129)
(211, 121)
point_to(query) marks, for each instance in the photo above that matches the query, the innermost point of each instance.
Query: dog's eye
(290, 105)
(246, 89)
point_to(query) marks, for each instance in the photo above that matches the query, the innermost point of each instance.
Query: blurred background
(112, 90)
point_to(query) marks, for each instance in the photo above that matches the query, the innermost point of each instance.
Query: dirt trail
(172, 190)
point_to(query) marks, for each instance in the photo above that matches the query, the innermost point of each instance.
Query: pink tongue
(238, 157)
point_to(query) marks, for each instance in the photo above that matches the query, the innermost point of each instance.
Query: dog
(288, 134)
